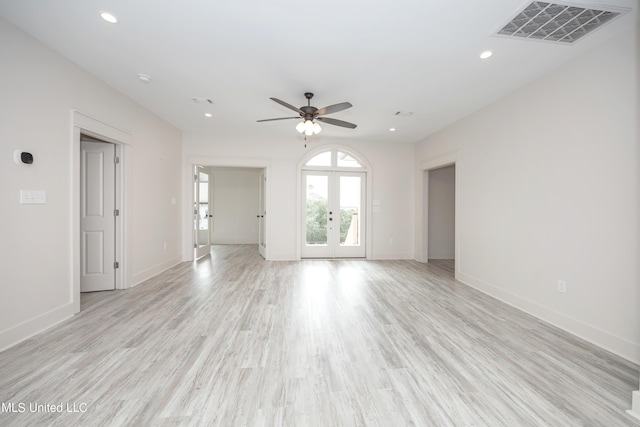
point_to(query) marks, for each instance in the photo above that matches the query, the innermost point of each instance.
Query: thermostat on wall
(22, 157)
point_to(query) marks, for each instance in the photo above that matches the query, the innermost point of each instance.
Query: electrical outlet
(165, 245)
(31, 197)
(562, 286)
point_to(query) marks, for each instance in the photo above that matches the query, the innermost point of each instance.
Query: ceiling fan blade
(336, 122)
(289, 106)
(280, 118)
(334, 108)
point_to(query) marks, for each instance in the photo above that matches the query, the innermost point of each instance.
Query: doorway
(229, 207)
(333, 196)
(99, 214)
(89, 127)
(441, 207)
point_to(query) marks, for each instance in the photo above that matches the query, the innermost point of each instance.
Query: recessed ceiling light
(108, 17)
(144, 78)
(392, 129)
(208, 115)
(486, 54)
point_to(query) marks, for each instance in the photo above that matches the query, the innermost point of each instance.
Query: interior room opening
(441, 217)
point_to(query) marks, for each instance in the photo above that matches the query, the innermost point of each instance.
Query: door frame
(187, 194)
(366, 168)
(422, 206)
(87, 125)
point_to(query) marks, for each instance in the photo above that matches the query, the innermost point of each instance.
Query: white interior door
(202, 211)
(262, 213)
(333, 214)
(97, 216)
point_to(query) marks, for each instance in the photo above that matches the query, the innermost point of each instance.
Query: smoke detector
(201, 100)
(557, 22)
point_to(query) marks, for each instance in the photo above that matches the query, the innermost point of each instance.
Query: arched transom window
(334, 159)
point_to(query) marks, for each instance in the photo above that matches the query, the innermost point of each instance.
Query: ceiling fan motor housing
(309, 112)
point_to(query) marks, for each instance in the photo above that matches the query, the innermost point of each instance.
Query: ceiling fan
(310, 114)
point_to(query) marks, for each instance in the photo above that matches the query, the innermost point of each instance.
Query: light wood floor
(235, 340)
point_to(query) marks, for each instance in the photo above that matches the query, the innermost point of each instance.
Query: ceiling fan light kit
(309, 114)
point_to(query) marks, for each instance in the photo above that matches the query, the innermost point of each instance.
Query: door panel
(350, 189)
(97, 216)
(202, 212)
(333, 214)
(317, 220)
(262, 213)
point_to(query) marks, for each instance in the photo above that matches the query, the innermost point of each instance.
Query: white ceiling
(420, 56)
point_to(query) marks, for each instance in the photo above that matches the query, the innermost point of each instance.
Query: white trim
(187, 194)
(149, 273)
(635, 405)
(98, 129)
(440, 161)
(391, 256)
(28, 328)
(84, 124)
(366, 168)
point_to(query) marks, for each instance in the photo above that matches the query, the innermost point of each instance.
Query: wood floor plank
(232, 339)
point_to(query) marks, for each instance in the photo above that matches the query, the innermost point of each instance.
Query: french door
(202, 213)
(262, 212)
(333, 220)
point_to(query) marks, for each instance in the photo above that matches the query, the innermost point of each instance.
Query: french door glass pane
(350, 210)
(317, 206)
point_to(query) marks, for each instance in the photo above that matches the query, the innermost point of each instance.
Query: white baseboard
(234, 240)
(606, 340)
(27, 329)
(147, 274)
(635, 405)
(390, 256)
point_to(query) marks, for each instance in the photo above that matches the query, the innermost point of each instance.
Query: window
(334, 159)
(346, 160)
(322, 159)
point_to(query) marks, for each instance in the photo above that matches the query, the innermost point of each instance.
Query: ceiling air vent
(562, 23)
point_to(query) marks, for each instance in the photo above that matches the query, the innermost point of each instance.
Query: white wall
(392, 187)
(548, 189)
(441, 215)
(39, 90)
(236, 193)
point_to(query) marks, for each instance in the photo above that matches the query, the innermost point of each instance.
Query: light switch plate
(33, 197)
